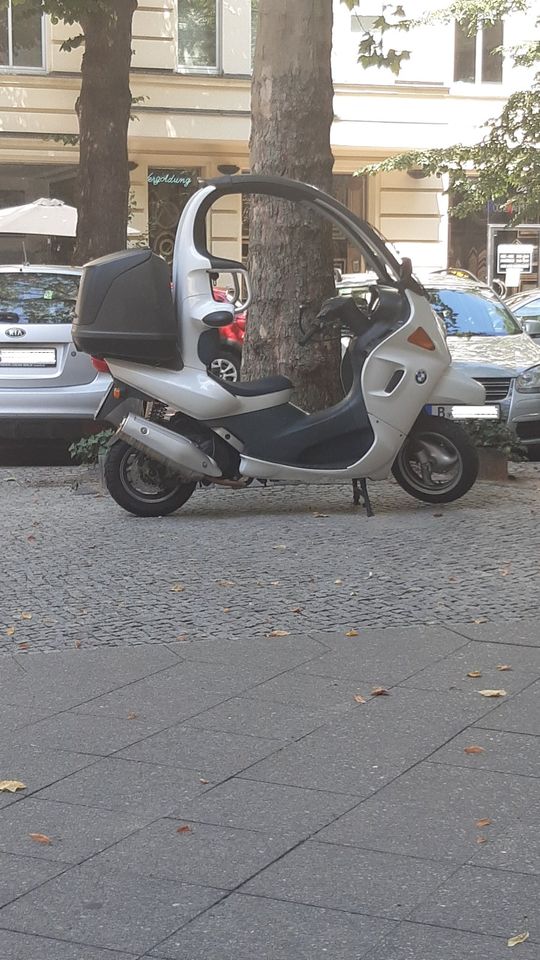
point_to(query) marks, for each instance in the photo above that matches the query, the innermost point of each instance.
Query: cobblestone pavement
(233, 564)
(293, 779)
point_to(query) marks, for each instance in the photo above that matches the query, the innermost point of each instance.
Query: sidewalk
(231, 800)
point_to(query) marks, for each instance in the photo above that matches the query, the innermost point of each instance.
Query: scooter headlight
(529, 380)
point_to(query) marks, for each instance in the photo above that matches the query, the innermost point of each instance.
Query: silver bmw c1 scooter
(178, 425)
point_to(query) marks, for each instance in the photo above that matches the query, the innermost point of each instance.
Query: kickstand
(361, 492)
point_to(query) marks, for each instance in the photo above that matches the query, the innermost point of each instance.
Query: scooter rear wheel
(438, 463)
(143, 486)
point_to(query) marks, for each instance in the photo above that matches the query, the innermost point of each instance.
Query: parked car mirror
(532, 327)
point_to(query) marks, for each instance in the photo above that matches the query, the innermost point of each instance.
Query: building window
(21, 36)
(478, 58)
(199, 27)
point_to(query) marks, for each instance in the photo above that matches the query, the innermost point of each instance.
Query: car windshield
(38, 297)
(472, 314)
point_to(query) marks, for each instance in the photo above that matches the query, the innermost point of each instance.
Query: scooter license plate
(488, 411)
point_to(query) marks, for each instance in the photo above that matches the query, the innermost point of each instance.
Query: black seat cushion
(258, 388)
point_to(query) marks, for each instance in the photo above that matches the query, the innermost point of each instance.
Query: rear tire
(438, 463)
(143, 486)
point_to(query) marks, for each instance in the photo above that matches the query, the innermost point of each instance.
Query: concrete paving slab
(514, 753)
(19, 946)
(85, 733)
(521, 714)
(281, 721)
(36, 767)
(413, 941)
(243, 927)
(430, 811)
(139, 789)
(203, 854)
(345, 878)
(524, 631)
(271, 808)
(452, 671)
(384, 656)
(75, 834)
(493, 902)
(20, 874)
(378, 740)
(108, 910)
(212, 754)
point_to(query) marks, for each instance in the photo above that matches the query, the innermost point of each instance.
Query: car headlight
(529, 380)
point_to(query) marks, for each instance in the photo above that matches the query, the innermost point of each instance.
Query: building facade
(191, 84)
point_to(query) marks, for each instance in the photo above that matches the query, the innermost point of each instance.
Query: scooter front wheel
(438, 463)
(143, 486)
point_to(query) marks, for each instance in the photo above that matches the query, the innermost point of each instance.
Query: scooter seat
(258, 388)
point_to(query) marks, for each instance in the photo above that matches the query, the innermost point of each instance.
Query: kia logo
(15, 332)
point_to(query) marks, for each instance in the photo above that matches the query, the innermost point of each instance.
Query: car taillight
(101, 365)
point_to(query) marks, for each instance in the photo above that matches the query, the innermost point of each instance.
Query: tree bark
(291, 249)
(104, 108)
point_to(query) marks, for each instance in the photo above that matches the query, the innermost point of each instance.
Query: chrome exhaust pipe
(172, 449)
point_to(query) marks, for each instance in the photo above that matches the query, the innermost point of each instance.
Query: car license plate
(16, 357)
(488, 411)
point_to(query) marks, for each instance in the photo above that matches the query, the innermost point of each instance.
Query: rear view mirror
(532, 327)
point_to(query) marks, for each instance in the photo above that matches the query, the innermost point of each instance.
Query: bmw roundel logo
(15, 332)
(421, 376)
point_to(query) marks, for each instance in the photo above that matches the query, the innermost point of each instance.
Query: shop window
(21, 36)
(199, 29)
(478, 58)
(168, 192)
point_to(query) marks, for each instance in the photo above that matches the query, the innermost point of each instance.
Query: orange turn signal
(117, 393)
(421, 339)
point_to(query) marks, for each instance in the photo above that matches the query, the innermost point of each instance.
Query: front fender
(456, 387)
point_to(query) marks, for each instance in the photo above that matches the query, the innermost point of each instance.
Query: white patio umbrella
(43, 218)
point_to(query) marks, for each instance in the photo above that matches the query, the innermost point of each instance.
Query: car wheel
(226, 366)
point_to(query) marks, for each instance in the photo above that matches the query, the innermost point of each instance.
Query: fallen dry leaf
(10, 631)
(519, 938)
(278, 633)
(178, 588)
(503, 667)
(480, 620)
(40, 838)
(227, 609)
(492, 693)
(225, 583)
(474, 750)
(11, 786)
(24, 646)
(352, 633)
(26, 616)
(483, 822)
(359, 699)
(474, 674)
(31, 538)
(78, 644)
(321, 515)
(275, 583)
(201, 780)
(437, 514)
(132, 716)
(481, 840)
(182, 637)
(338, 582)
(380, 692)
(184, 829)
(504, 571)
(279, 546)
(296, 610)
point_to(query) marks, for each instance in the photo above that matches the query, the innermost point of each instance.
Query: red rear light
(101, 365)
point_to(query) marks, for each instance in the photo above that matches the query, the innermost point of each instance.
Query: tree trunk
(290, 248)
(104, 108)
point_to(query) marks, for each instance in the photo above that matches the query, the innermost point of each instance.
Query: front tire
(143, 486)
(438, 463)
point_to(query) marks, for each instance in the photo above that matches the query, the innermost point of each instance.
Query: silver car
(47, 389)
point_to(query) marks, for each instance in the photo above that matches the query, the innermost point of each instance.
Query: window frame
(11, 68)
(211, 71)
(478, 80)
